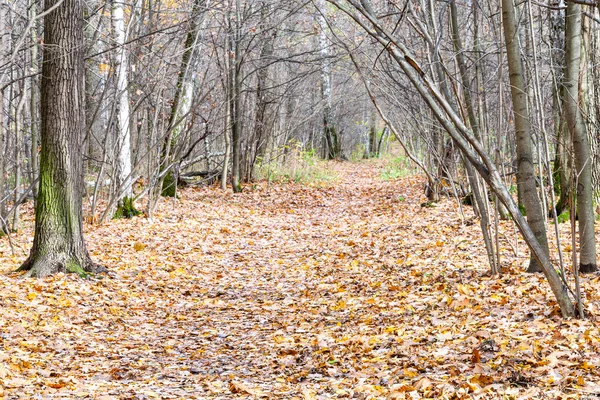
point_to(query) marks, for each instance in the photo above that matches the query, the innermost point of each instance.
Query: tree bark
(124, 179)
(235, 93)
(58, 243)
(525, 166)
(581, 147)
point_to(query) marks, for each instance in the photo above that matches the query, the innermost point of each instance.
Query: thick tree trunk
(58, 243)
(593, 103)
(581, 147)
(525, 166)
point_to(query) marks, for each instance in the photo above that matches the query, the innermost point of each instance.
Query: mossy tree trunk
(562, 173)
(58, 242)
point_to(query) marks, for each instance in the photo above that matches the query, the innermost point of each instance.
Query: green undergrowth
(396, 168)
(126, 209)
(296, 165)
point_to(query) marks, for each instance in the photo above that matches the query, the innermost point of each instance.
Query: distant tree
(58, 243)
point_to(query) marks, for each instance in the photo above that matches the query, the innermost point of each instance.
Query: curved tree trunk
(58, 243)
(525, 166)
(463, 137)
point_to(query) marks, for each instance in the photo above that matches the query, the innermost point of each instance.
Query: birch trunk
(123, 144)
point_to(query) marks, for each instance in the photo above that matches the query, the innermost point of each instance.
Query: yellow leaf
(31, 295)
(104, 67)
(586, 365)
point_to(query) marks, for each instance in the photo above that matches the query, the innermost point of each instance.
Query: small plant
(564, 216)
(126, 209)
(401, 198)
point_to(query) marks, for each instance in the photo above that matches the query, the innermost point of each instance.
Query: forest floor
(346, 289)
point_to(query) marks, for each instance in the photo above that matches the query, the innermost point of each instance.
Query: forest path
(346, 289)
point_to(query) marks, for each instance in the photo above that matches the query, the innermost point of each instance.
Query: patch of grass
(296, 165)
(396, 168)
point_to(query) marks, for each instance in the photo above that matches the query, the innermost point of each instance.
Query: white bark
(124, 178)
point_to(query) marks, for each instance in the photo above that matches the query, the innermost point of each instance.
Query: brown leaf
(475, 356)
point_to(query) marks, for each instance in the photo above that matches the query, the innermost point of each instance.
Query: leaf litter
(348, 289)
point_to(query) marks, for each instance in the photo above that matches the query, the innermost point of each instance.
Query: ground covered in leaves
(349, 289)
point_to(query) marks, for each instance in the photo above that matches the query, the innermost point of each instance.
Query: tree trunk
(58, 243)
(330, 134)
(124, 179)
(581, 147)
(561, 169)
(182, 101)
(235, 93)
(525, 167)
(33, 101)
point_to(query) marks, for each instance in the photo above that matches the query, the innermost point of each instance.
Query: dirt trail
(349, 289)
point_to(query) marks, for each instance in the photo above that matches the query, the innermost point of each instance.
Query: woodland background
(495, 105)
